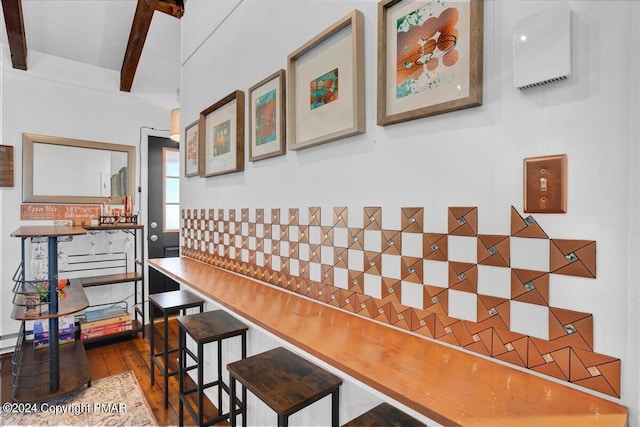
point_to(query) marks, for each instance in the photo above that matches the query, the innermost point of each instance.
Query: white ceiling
(96, 32)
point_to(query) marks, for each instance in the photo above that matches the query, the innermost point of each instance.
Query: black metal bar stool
(384, 415)
(284, 381)
(204, 328)
(168, 303)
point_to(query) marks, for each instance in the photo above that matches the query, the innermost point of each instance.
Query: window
(171, 190)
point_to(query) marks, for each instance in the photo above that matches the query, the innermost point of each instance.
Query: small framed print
(221, 136)
(326, 85)
(191, 159)
(267, 117)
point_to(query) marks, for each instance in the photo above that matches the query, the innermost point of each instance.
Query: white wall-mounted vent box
(542, 47)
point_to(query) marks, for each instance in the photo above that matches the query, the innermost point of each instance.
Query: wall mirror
(63, 170)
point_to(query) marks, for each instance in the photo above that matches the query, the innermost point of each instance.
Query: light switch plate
(545, 184)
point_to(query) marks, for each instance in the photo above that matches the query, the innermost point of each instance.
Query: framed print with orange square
(326, 85)
(221, 136)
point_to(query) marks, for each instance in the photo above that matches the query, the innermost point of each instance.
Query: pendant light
(174, 129)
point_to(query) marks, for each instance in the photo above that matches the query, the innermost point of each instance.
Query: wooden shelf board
(124, 226)
(109, 279)
(48, 231)
(74, 372)
(73, 300)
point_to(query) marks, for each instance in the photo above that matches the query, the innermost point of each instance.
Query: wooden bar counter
(447, 385)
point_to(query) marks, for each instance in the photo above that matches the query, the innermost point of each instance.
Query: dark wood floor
(115, 357)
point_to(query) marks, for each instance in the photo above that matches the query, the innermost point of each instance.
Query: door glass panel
(172, 162)
(172, 190)
(172, 217)
(171, 193)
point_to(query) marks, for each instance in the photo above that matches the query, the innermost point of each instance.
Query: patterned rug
(112, 401)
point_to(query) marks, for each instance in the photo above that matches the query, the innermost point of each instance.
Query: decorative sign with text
(58, 212)
(6, 166)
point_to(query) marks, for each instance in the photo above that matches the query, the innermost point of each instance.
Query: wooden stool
(205, 328)
(284, 381)
(168, 303)
(384, 415)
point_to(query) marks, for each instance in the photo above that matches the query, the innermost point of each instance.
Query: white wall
(632, 352)
(466, 158)
(63, 98)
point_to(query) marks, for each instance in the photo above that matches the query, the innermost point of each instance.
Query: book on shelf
(65, 327)
(103, 313)
(62, 339)
(61, 332)
(85, 326)
(107, 326)
(64, 322)
(84, 335)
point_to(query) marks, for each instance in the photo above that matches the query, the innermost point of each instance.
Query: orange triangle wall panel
(268, 246)
(463, 221)
(525, 227)
(573, 257)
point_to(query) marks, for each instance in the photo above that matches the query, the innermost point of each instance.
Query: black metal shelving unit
(37, 372)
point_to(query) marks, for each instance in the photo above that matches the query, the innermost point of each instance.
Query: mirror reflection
(62, 170)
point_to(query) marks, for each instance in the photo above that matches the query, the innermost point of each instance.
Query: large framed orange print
(429, 58)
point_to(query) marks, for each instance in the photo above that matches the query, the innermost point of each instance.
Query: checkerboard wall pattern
(472, 290)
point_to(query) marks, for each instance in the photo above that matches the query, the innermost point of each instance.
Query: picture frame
(6, 166)
(428, 65)
(191, 148)
(318, 111)
(267, 117)
(221, 136)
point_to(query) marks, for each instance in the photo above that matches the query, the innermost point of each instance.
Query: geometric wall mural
(486, 293)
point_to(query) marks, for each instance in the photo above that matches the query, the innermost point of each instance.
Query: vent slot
(543, 82)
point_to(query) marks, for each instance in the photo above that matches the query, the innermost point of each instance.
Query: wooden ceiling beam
(174, 8)
(14, 22)
(137, 37)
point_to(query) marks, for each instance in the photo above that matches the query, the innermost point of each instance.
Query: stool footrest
(161, 355)
(191, 354)
(206, 386)
(190, 390)
(190, 368)
(162, 369)
(187, 403)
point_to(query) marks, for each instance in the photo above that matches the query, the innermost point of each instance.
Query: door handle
(154, 224)
(153, 238)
